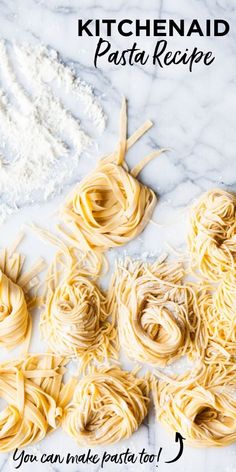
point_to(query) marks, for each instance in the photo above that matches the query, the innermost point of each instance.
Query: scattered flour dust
(42, 106)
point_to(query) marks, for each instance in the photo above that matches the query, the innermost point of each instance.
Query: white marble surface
(194, 114)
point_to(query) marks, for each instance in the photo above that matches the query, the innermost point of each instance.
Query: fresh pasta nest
(212, 234)
(14, 316)
(16, 297)
(203, 410)
(108, 405)
(157, 315)
(35, 395)
(217, 309)
(74, 321)
(110, 206)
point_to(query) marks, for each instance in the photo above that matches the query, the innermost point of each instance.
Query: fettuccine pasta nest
(110, 206)
(16, 297)
(108, 405)
(202, 410)
(35, 395)
(212, 234)
(157, 315)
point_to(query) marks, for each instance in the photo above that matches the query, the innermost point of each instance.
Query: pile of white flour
(42, 106)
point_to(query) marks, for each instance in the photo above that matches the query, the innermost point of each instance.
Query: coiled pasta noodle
(35, 395)
(158, 318)
(14, 316)
(202, 409)
(74, 321)
(108, 405)
(15, 297)
(225, 300)
(212, 234)
(212, 244)
(110, 206)
(89, 263)
(217, 308)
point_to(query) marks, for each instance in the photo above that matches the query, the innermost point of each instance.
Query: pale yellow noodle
(110, 206)
(202, 409)
(157, 314)
(108, 405)
(74, 321)
(212, 234)
(217, 308)
(33, 389)
(89, 262)
(16, 298)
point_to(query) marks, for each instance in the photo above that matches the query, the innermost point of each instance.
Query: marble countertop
(194, 115)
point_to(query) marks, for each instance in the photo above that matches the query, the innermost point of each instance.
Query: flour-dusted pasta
(212, 234)
(108, 405)
(75, 317)
(110, 206)
(75, 321)
(36, 397)
(157, 314)
(201, 408)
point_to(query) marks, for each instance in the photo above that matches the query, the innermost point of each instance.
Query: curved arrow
(178, 438)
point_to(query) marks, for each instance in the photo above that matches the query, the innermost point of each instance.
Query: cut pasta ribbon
(87, 263)
(110, 206)
(108, 405)
(36, 397)
(158, 318)
(16, 298)
(212, 234)
(202, 410)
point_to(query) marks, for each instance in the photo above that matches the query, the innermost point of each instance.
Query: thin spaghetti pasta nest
(35, 395)
(110, 206)
(158, 318)
(217, 308)
(212, 234)
(108, 405)
(203, 410)
(75, 321)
